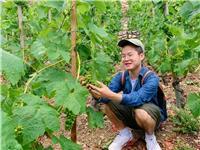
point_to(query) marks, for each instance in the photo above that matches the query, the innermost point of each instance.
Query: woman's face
(131, 59)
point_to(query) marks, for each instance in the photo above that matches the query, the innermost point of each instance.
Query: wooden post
(49, 15)
(21, 31)
(73, 57)
(166, 8)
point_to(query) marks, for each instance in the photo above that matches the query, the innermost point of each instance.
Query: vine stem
(79, 66)
(35, 74)
(197, 69)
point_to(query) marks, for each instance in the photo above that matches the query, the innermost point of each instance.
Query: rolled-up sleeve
(144, 94)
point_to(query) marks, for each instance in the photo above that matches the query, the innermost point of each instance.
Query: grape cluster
(70, 118)
(85, 80)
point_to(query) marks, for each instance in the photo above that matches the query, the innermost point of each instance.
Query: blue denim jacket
(139, 94)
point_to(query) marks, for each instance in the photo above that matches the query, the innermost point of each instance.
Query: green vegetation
(35, 66)
(170, 31)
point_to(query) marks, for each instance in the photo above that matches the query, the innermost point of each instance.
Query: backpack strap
(145, 75)
(122, 78)
(143, 78)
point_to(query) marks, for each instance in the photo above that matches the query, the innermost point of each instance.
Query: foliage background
(37, 84)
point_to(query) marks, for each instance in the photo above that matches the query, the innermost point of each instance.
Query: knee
(141, 115)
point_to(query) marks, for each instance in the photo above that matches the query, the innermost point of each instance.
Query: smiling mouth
(127, 64)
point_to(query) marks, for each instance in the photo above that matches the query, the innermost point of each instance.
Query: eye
(123, 56)
(130, 54)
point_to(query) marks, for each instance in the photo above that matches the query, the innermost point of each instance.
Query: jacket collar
(142, 72)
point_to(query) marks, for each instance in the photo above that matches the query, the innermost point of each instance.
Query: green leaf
(41, 12)
(32, 126)
(96, 30)
(100, 68)
(66, 144)
(71, 95)
(165, 66)
(84, 52)
(72, 103)
(181, 68)
(52, 75)
(12, 66)
(82, 7)
(38, 49)
(186, 9)
(31, 99)
(8, 133)
(10, 98)
(47, 82)
(50, 117)
(35, 118)
(175, 30)
(68, 92)
(100, 5)
(65, 55)
(194, 103)
(190, 9)
(52, 53)
(59, 5)
(95, 119)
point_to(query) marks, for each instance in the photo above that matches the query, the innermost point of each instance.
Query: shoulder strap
(145, 75)
(143, 78)
(122, 78)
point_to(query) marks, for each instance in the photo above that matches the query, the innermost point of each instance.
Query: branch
(79, 65)
(63, 21)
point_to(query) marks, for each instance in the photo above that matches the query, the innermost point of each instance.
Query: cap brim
(123, 43)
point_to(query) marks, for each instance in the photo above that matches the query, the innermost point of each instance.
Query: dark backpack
(160, 94)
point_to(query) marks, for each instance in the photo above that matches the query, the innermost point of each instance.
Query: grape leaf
(71, 95)
(96, 30)
(165, 66)
(82, 7)
(100, 5)
(65, 143)
(8, 133)
(59, 5)
(95, 119)
(68, 92)
(99, 71)
(38, 49)
(12, 66)
(194, 103)
(48, 80)
(35, 118)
